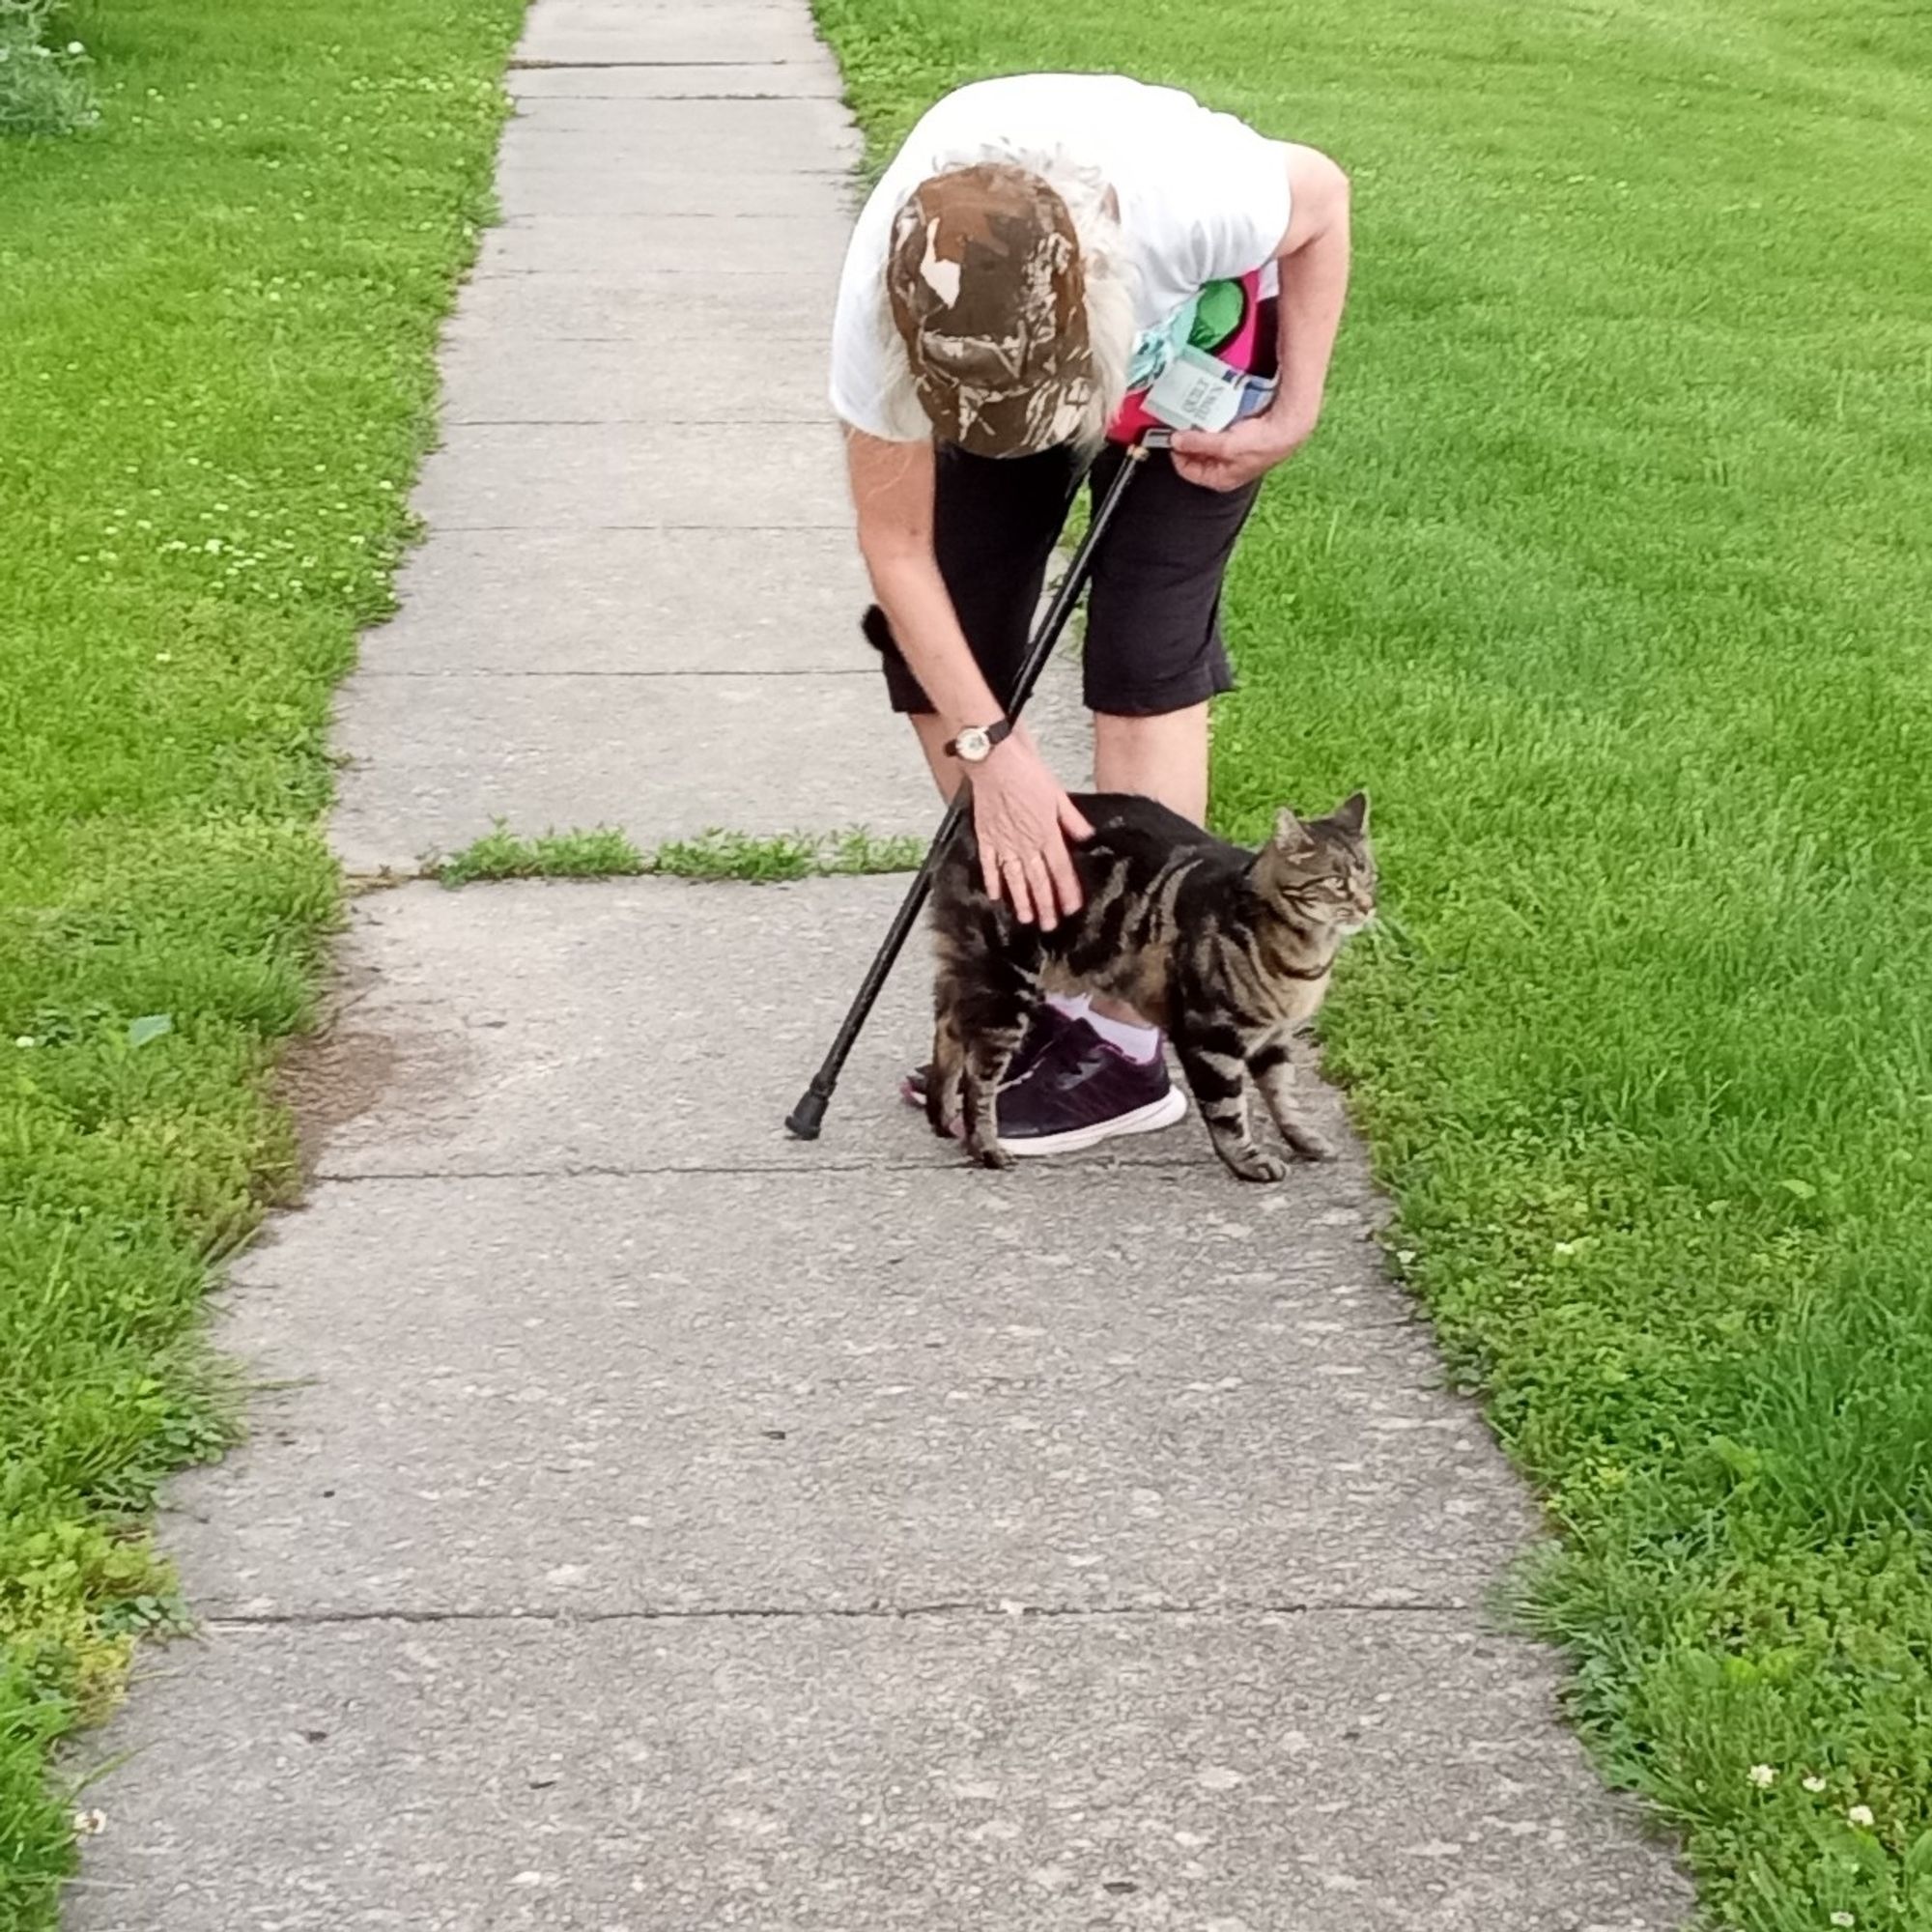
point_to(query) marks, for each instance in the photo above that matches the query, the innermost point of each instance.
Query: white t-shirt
(1202, 196)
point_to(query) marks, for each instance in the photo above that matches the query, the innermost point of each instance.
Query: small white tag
(1196, 391)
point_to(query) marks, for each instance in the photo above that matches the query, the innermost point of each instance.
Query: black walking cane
(807, 1117)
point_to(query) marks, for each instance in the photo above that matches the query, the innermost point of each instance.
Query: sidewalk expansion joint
(741, 93)
(710, 277)
(525, 63)
(763, 1170)
(654, 215)
(842, 174)
(963, 1611)
(584, 528)
(774, 670)
(644, 422)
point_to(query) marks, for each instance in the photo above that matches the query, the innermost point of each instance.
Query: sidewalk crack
(837, 1164)
(961, 1609)
(736, 670)
(529, 63)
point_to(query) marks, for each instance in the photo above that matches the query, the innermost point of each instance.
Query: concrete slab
(657, 251)
(504, 1021)
(752, 181)
(772, 333)
(617, 379)
(682, 1392)
(434, 763)
(532, 476)
(749, 137)
(626, 602)
(1319, 1774)
(807, 79)
(579, 177)
(566, 33)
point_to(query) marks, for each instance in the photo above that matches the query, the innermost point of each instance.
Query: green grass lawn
(1608, 575)
(217, 309)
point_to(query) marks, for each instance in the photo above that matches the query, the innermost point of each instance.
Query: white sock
(1072, 1005)
(1140, 1044)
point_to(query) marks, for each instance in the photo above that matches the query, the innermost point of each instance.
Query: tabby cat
(1228, 949)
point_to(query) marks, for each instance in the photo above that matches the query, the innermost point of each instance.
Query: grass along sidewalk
(217, 310)
(606, 852)
(1607, 575)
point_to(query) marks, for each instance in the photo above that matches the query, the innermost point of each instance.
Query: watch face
(973, 745)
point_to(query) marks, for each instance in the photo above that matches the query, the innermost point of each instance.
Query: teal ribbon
(1154, 348)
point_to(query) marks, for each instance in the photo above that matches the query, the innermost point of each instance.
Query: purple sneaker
(1047, 1023)
(1080, 1091)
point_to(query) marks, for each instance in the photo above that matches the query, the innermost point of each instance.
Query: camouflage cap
(985, 281)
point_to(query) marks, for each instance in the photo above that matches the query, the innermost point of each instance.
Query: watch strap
(996, 733)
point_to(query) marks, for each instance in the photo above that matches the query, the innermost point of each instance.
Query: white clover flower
(1860, 1815)
(1814, 1783)
(1763, 1777)
(1843, 1919)
(25, 1040)
(76, 47)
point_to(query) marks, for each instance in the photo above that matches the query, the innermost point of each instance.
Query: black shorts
(1154, 631)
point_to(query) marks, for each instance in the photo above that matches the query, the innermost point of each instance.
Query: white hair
(1107, 280)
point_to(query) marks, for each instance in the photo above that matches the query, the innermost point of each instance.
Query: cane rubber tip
(804, 1119)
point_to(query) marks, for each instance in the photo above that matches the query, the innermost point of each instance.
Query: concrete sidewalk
(655, 1525)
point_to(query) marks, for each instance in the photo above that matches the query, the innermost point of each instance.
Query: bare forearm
(1021, 816)
(893, 491)
(1314, 285)
(1314, 288)
(926, 630)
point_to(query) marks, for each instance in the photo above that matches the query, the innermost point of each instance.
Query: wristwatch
(974, 744)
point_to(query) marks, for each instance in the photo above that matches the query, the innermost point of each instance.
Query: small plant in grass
(44, 88)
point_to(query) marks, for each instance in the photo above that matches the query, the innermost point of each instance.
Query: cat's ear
(1352, 815)
(1289, 834)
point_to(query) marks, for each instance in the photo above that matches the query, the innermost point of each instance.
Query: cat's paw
(990, 1153)
(1307, 1145)
(1259, 1167)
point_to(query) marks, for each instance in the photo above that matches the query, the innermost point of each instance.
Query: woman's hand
(1023, 819)
(1226, 459)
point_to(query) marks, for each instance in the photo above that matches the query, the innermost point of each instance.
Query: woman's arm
(1313, 257)
(893, 493)
(1021, 816)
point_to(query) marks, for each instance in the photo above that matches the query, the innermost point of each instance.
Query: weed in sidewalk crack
(604, 852)
(600, 853)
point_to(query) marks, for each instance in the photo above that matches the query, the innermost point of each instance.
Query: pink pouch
(1132, 419)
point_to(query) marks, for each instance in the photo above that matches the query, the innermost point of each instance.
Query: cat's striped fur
(1229, 949)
